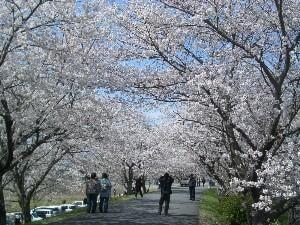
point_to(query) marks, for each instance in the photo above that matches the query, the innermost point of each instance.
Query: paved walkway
(144, 211)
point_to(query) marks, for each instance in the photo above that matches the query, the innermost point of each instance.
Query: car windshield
(54, 209)
(41, 213)
(34, 215)
(46, 211)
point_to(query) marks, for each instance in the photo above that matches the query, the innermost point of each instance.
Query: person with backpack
(138, 186)
(105, 192)
(92, 189)
(192, 185)
(165, 184)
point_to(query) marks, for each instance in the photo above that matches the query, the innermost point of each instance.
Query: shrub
(234, 209)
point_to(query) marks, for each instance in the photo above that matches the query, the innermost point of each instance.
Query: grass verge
(208, 208)
(76, 212)
(212, 210)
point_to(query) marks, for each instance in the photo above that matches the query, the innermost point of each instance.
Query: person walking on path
(203, 181)
(105, 192)
(92, 189)
(165, 184)
(192, 185)
(138, 186)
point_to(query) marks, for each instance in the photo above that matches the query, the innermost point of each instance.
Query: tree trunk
(259, 218)
(144, 184)
(26, 210)
(128, 179)
(24, 201)
(144, 188)
(129, 188)
(2, 205)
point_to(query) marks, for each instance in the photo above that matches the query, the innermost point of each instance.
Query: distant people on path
(211, 183)
(165, 184)
(92, 189)
(203, 181)
(138, 186)
(198, 181)
(192, 185)
(105, 192)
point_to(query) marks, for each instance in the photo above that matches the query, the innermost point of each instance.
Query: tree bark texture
(128, 178)
(2, 205)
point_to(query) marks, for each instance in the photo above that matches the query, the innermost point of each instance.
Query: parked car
(13, 216)
(56, 209)
(10, 219)
(35, 217)
(68, 207)
(184, 182)
(19, 216)
(79, 204)
(44, 213)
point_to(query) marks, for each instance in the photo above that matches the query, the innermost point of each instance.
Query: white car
(79, 204)
(35, 217)
(16, 215)
(10, 219)
(184, 182)
(57, 209)
(68, 207)
(44, 213)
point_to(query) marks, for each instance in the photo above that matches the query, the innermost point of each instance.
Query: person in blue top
(105, 192)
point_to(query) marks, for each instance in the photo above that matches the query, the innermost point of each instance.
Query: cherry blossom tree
(128, 143)
(49, 59)
(26, 184)
(233, 69)
(30, 175)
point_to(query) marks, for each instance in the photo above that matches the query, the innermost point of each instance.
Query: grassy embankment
(76, 212)
(58, 200)
(212, 210)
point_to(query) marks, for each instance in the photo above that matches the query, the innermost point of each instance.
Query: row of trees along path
(145, 211)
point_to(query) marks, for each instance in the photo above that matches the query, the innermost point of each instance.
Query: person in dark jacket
(192, 185)
(138, 186)
(203, 181)
(165, 184)
(92, 190)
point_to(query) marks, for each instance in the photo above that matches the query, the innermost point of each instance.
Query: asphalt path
(144, 211)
